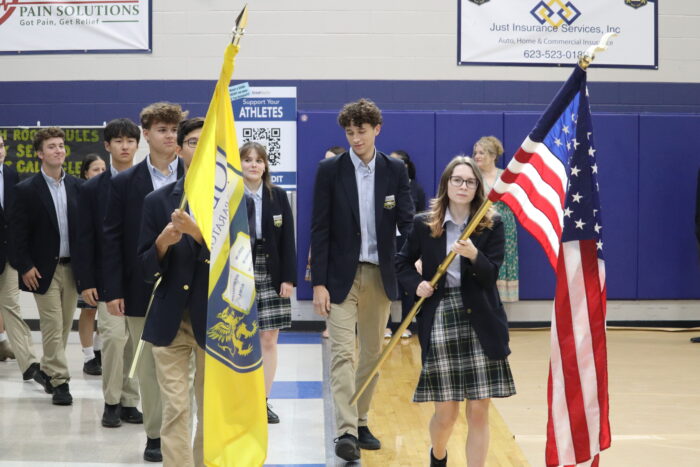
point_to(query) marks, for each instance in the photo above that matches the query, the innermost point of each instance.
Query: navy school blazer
(278, 236)
(121, 234)
(9, 179)
(184, 271)
(482, 304)
(92, 206)
(335, 229)
(35, 238)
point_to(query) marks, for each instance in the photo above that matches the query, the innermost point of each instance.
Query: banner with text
(269, 116)
(79, 143)
(557, 32)
(52, 26)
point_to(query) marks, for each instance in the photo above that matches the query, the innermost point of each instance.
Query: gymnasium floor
(655, 409)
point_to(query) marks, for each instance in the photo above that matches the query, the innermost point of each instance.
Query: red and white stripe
(534, 186)
(578, 370)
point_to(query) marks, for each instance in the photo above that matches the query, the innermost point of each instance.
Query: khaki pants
(117, 355)
(18, 332)
(173, 366)
(367, 306)
(56, 311)
(148, 383)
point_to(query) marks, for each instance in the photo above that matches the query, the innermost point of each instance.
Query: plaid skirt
(274, 312)
(456, 366)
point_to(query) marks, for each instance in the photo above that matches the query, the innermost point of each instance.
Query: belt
(367, 263)
(64, 260)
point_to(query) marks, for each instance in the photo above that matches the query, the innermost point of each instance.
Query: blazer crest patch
(390, 202)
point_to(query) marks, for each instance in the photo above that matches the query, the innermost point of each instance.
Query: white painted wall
(334, 39)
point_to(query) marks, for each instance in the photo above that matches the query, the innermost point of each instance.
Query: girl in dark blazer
(93, 165)
(275, 256)
(462, 326)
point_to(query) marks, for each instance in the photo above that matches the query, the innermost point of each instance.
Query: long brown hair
(439, 204)
(262, 152)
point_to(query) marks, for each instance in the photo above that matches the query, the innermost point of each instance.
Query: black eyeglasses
(192, 142)
(458, 181)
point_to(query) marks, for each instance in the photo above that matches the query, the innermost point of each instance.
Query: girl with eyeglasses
(462, 326)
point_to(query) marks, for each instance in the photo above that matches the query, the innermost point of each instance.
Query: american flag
(551, 187)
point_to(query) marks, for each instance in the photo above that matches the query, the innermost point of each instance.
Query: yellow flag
(235, 413)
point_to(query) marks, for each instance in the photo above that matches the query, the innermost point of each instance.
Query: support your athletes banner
(557, 32)
(269, 116)
(79, 143)
(28, 26)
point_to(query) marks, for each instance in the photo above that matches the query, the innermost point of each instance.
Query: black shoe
(346, 447)
(272, 417)
(366, 439)
(29, 372)
(131, 415)
(437, 462)
(92, 367)
(695, 340)
(110, 416)
(152, 452)
(98, 357)
(61, 395)
(43, 379)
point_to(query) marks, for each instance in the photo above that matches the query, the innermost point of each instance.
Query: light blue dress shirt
(364, 175)
(60, 203)
(258, 201)
(452, 233)
(157, 177)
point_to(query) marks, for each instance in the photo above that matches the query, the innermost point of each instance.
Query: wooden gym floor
(654, 404)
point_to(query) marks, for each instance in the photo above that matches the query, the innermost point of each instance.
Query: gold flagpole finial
(589, 55)
(241, 23)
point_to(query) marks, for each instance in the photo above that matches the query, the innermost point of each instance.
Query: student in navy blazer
(18, 333)
(125, 291)
(335, 231)
(274, 255)
(172, 250)
(185, 272)
(121, 395)
(90, 341)
(463, 328)
(44, 236)
(360, 198)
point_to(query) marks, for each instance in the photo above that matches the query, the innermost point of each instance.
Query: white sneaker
(387, 333)
(406, 334)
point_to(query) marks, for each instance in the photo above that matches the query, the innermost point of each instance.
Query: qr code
(268, 137)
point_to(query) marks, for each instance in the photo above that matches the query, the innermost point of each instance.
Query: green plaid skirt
(274, 312)
(456, 367)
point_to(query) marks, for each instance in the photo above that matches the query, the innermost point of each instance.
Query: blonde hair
(439, 204)
(491, 145)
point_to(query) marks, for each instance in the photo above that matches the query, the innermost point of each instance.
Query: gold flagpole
(238, 31)
(416, 306)
(589, 55)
